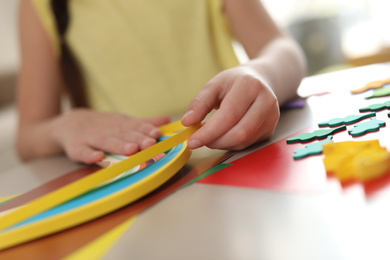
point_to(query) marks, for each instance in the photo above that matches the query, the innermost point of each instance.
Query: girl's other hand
(85, 134)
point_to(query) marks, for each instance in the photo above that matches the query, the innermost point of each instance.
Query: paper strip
(79, 187)
(100, 246)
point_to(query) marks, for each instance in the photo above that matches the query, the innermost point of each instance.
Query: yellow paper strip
(100, 246)
(172, 128)
(96, 208)
(77, 188)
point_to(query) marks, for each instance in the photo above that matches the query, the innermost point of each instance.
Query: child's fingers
(137, 137)
(132, 126)
(112, 144)
(85, 135)
(202, 104)
(85, 154)
(143, 130)
(233, 108)
(258, 123)
(153, 124)
(92, 151)
(130, 142)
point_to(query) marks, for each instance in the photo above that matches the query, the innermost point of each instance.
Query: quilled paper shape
(361, 161)
(311, 149)
(351, 119)
(371, 164)
(337, 156)
(317, 134)
(371, 85)
(366, 127)
(376, 107)
(381, 92)
(83, 200)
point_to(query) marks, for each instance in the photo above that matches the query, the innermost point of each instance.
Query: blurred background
(334, 34)
(9, 55)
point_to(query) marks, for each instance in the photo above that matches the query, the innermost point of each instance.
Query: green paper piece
(346, 120)
(366, 127)
(376, 107)
(317, 134)
(311, 149)
(380, 92)
(207, 173)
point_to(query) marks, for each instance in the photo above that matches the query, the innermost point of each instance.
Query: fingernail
(130, 148)
(97, 156)
(187, 114)
(193, 144)
(155, 133)
(147, 143)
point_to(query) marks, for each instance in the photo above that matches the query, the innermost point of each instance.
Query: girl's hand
(247, 111)
(85, 134)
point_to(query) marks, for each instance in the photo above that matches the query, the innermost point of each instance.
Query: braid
(69, 66)
(61, 13)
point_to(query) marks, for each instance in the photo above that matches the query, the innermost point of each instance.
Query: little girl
(128, 65)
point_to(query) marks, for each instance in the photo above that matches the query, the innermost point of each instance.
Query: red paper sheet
(273, 167)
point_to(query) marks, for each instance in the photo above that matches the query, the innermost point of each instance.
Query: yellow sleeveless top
(145, 57)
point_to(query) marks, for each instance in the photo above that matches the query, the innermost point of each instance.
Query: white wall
(9, 57)
(9, 49)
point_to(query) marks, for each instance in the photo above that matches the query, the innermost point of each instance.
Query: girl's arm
(247, 97)
(83, 134)
(273, 53)
(39, 87)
